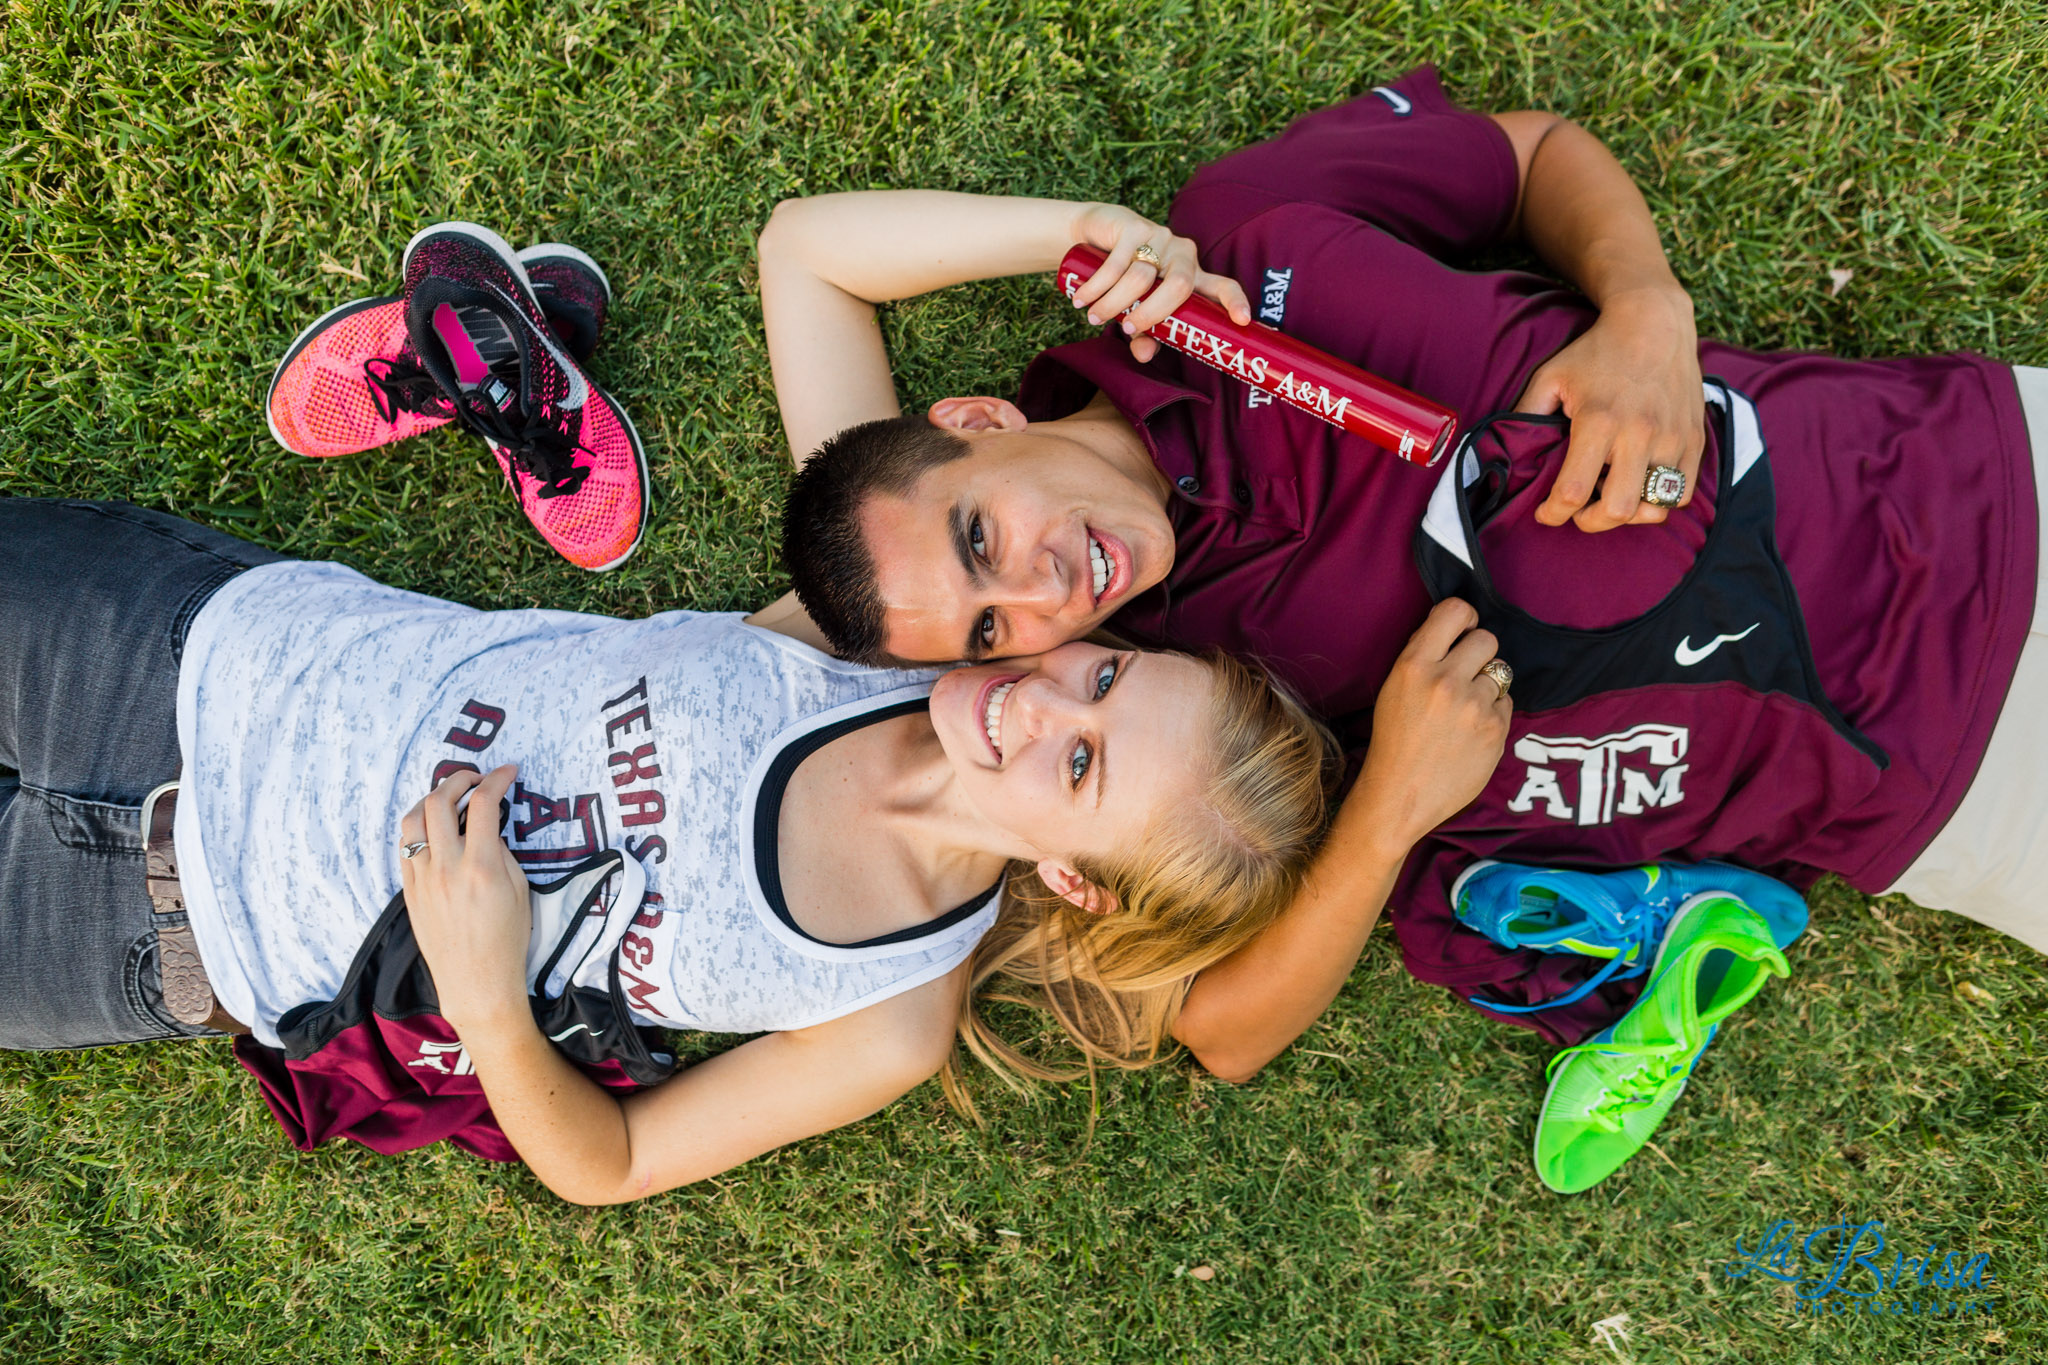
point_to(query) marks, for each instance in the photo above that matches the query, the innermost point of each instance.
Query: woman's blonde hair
(1202, 883)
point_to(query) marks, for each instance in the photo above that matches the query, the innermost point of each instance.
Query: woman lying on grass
(833, 855)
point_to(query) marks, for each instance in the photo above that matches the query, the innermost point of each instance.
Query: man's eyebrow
(956, 526)
(976, 649)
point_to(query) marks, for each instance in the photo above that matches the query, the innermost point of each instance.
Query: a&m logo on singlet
(1591, 781)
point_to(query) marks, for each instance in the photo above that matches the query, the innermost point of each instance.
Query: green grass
(187, 183)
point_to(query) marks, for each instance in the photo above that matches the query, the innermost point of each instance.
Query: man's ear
(977, 414)
(1075, 889)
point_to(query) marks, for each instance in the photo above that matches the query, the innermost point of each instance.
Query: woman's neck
(916, 799)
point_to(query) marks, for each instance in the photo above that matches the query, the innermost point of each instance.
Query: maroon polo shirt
(1905, 502)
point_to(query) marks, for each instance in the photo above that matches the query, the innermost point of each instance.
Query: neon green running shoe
(1608, 1094)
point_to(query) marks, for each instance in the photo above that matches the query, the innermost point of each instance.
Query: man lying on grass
(1797, 665)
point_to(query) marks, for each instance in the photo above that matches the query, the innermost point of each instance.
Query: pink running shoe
(569, 451)
(352, 381)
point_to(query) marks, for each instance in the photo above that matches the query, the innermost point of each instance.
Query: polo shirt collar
(1209, 475)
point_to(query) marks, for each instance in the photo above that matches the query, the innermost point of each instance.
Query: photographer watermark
(1852, 1268)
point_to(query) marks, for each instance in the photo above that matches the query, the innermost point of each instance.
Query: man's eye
(1104, 676)
(1077, 763)
(975, 541)
(986, 627)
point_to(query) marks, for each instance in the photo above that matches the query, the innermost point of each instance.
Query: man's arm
(827, 261)
(1631, 383)
(1438, 728)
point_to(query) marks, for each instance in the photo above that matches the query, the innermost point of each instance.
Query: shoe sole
(484, 237)
(1458, 886)
(646, 489)
(646, 485)
(541, 251)
(511, 259)
(299, 343)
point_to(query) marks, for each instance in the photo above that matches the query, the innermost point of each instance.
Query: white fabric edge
(225, 970)
(980, 923)
(749, 803)
(1441, 522)
(1743, 424)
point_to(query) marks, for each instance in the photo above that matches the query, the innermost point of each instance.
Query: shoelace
(538, 443)
(400, 386)
(1624, 1095)
(1632, 927)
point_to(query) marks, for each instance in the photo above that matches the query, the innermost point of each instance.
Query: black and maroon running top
(1905, 512)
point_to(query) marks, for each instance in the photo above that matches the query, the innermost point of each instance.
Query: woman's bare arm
(468, 903)
(591, 1147)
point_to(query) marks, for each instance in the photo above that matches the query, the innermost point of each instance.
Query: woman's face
(1075, 752)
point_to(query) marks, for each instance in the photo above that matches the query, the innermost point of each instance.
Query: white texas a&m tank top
(315, 707)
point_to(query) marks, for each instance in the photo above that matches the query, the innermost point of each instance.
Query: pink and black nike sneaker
(352, 382)
(569, 451)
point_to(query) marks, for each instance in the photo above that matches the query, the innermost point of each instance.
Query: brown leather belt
(188, 995)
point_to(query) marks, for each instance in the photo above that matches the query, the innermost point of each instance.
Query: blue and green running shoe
(1620, 916)
(1608, 1095)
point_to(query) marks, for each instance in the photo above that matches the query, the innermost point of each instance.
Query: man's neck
(1103, 428)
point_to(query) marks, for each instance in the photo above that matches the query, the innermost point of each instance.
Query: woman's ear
(977, 414)
(1075, 889)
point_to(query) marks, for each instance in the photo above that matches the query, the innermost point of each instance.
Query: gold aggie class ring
(1663, 486)
(1502, 675)
(413, 850)
(1146, 254)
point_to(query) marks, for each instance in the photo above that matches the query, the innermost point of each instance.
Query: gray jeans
(95, 600)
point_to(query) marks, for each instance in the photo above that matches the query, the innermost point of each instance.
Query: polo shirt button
(1243, 492)
(1188, 483)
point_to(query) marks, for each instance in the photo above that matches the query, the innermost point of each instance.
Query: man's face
(1030, 540)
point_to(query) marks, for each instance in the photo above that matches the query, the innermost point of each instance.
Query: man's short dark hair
(828, 561)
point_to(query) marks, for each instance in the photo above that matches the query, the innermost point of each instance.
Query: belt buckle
(160, 856)
(188, 995)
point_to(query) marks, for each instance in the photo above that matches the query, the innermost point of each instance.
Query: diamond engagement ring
(413, 850)
(1663, 486)
(1502, 675)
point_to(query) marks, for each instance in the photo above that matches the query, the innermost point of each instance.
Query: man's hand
(1437, 729)
(468, 902)
(1631, 386)
(1123, 278)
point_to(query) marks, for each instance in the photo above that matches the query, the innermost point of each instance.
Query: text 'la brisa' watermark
(1851, 1268)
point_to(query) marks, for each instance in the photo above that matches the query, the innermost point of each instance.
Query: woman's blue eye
(1077, 766)
(1104, 676)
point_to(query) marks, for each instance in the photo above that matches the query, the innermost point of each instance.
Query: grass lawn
(187, 182)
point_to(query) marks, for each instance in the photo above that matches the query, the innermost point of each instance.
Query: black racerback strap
(1734, 617)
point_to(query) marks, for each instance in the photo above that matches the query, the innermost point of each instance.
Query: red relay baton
(1296, 373)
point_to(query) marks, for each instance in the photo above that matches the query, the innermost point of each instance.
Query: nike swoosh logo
(1393, 97)
(558, 1037)
(1687, 656)
(579, 392)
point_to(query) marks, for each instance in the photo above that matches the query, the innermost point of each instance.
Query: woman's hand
(1123, 278)
(1631, 385)
(1437, 728)
(467, 898)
